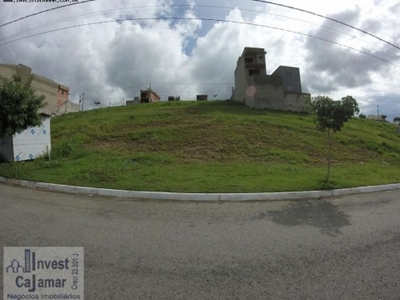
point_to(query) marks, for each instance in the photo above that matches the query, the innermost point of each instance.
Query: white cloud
(113, 61)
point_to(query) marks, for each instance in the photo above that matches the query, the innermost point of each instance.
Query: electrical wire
(44, 11)
(328, 18)
(204, 19)
(157, 84)
(46, 25)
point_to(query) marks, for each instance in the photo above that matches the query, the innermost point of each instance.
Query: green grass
(210, 147)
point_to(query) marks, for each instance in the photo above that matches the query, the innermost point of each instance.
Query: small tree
(384, 117)
(19, 105)
(362, 116)
(330, 116)
(396, 120)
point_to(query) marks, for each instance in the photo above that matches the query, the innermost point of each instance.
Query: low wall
(269, 96)
(296, 102)
(68, 107)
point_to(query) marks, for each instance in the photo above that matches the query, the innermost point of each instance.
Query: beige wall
(240, 82)
(42, 85)
(48, 89)
(7, 71)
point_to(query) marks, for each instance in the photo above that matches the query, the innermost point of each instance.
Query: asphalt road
(342, 248)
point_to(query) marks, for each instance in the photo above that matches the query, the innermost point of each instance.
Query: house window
(248, 60)
(288, 74)
(260, 57)
(253, 72)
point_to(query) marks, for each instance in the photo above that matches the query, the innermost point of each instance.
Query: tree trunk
(329, 155)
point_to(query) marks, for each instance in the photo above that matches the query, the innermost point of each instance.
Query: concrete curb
(199, 196)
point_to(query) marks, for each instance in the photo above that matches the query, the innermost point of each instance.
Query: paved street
(343, 248)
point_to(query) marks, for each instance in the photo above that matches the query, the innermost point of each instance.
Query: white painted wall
(29, 144)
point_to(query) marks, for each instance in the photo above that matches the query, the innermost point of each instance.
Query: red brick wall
(62, 96)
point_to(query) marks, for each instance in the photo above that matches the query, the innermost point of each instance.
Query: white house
(29, 144)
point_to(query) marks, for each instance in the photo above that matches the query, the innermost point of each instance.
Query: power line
(185, 5)
(172, 84)
(43, 11)
(204, 19)
(328, 18)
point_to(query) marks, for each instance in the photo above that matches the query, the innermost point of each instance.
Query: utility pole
(378, 110)
(83, 101)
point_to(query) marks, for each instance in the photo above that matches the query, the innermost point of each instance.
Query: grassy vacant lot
(210, 147)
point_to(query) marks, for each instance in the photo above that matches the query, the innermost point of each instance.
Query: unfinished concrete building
(281, 90)
(56, 94)
(149, 96)
(202, 97)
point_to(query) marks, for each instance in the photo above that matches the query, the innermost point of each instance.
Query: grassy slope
(210, 147)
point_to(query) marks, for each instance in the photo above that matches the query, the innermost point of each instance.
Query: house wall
(268, 96)
(148, 96)
(154, 98)
(62, 95)
(243, 70)
(6, 148)
(43, 86)
(291, 78)
(202, 97)
(240, 81)
(272, 97)
(29, 144)
(49, 89)
(280, 91)
(297, 102)
(7, 71)
(32, 142)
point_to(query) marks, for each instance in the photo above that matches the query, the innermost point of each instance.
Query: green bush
(64, 149)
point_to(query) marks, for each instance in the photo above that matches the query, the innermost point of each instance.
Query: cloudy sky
(110, 62)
